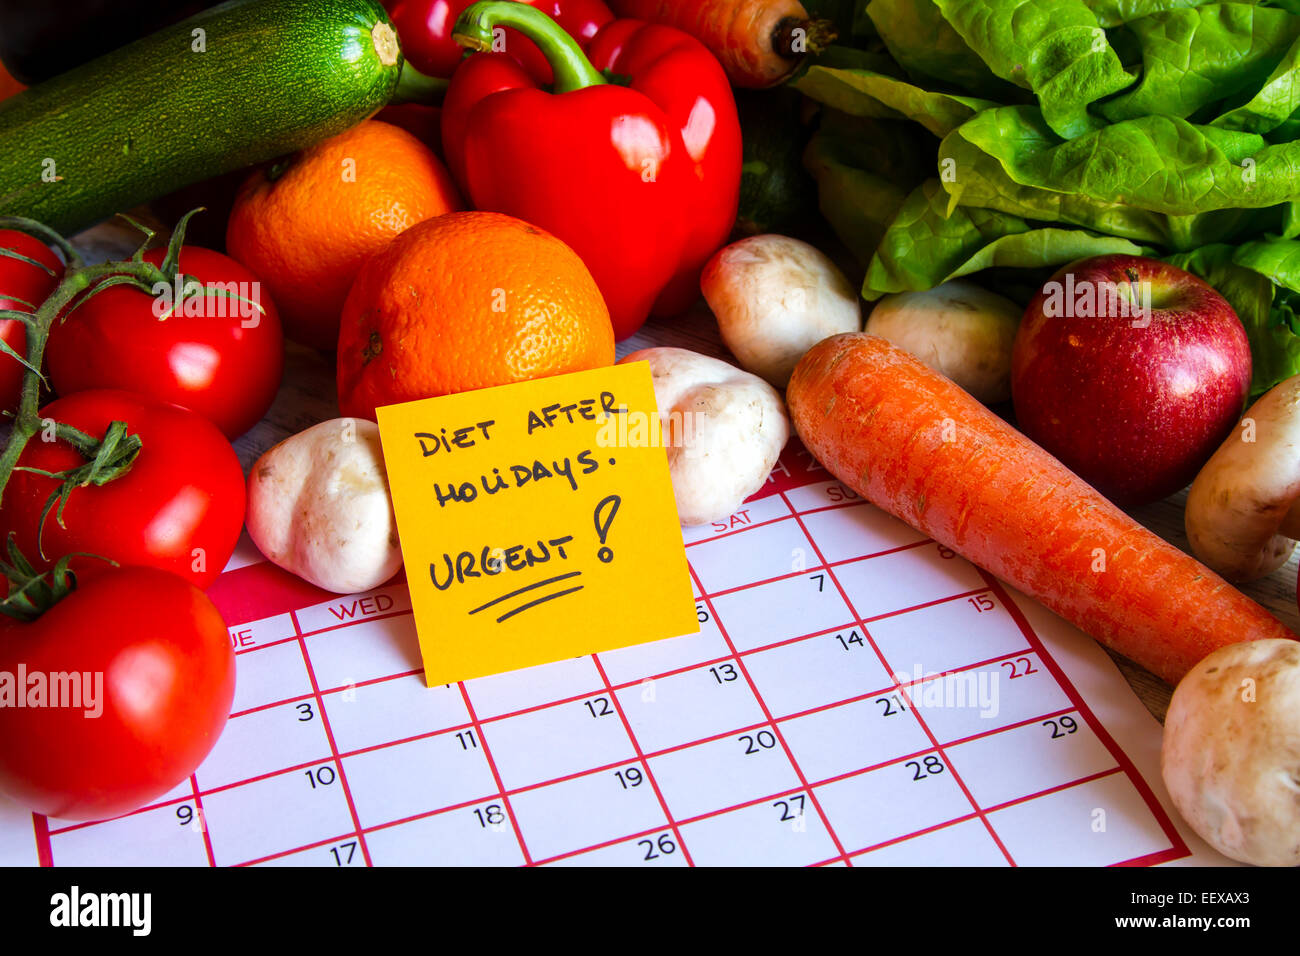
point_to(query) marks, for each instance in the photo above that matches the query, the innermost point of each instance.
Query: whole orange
(465, 301)
(306, 226)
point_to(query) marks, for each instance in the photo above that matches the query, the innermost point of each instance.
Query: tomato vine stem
(107, 457)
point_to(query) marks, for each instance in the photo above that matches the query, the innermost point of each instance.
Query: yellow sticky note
(537, 522)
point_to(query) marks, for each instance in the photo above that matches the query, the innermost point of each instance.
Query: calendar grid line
(413, 738)
(804, 787)
(281, 854)
(602, 845)
(1012, 726)
(365, 619)
(260, 708)
(325, 691)
(496, 774)
(964, 668)
(439, 811)
(686, 821)
(924, 831)
(823, 566)
(727, 534)
(641, 757)
(625, 685)
(1071, 692)
(872, 768)
(329, 736)
(925, 605)
(1152, 859)
(370, 618)
(762, 647)
(1055, 788)
(819, 509)
(203, 821)
(789, 754)
(205, 792)
(44, 848)
(241, 651)
(844, 595)
(858, 502)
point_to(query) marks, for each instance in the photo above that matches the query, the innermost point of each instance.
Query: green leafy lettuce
(1009, 137)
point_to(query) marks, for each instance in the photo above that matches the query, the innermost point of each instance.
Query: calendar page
(856, 695)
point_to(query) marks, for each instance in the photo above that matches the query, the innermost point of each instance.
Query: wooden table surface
(1277, 592)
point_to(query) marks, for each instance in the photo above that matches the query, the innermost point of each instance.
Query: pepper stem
(572, 69)
(416, 87)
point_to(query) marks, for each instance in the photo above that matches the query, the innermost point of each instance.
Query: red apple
(1131, 372)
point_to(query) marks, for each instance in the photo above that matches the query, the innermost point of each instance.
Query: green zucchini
(235, 85)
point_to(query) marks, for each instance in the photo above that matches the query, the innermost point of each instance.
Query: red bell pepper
(424, 27)
(641, 177)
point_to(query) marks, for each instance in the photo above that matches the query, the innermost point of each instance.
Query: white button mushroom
(775, 298)
(723, 430)
(960, 330)
(319, 506)
(1231, 752)
(1237, 509)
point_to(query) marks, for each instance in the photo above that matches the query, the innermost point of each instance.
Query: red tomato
(180, 507)
(224, 363)
(156, 679)
(30, 284)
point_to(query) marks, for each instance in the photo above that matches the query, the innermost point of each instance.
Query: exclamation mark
(605, 511)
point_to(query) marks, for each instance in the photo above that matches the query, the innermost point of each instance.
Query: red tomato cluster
(155, 672)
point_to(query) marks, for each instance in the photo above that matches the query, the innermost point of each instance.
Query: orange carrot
(759, 42)
(914, 444)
